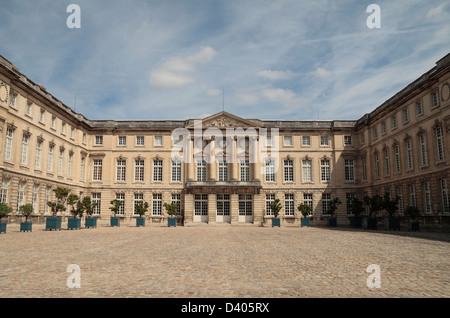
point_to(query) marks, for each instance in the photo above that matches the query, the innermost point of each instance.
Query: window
(97, 172)
(37, 164)
(245, 170)
(223, 204)
(288, 170)
(308, 200)
(324, 140)
(28, 109)
(270, 170)
(387, 166)
(121, 197)
(363, 138)
(47, 199)
(349, 167)
(269, 141)
(375, 133)
(98, 140)
(121, 170)
(158, 141)
(326, 200)
(4, 191)
(269, 199)
(419, 108)
(139, 140)
(223, 170)
(306, 170)
(157, 170)
(287, 141)
(72, 132)
(201, 204)
(122, 140)
(84, 138)
(349, 196)
(50, 158)
(306, 141)
(325, 170)
(364, 168)
(347, 140)
(34, 198)
(8, 143)
(139, 170)
(397, 158)
(383, 128)
(20, 194)
(82, 168)
(138, 198)
(12, 100)
(176, 170)
(53, 122)
(176, 199)
(201, 170)
(377, 165)
(60, 162)
(440, 144)
(69, 168)
(245, 204)
(393, 122)
(445, 197)
(63, 128)
(42, 116)
(97, 200)
(24, 156)
(405, 115)
(423, 150)
(427, 197)
(289, 204)
(412, 195)
(400, 204)
(409, 156)
(435, 98)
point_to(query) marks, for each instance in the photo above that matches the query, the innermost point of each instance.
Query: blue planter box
(140, 222)
(355, 222)
(2, 227)
(305, 221)
(394, 223)
(74, 224)
(53, 223)
(275, 222)
(90, 222)
(26, 226)
(414, 226)
(171, 222)
(115, 221)
(371, 223)
(331, 222)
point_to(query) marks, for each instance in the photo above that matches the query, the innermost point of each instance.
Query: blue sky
(173, 59)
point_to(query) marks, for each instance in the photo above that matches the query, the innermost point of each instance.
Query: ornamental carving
(223, 122)
(3, 92)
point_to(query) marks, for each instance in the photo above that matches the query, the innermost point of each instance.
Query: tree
(26, 210)
(390, 205)
(374, 203)
(305, 209)
(275, 206)
(356, 206)
(412, 212)
(334, 203)
(171, 208)
(116, 204)
(87, 205)
(140, 208)
(61, 195)
(73, 200)
(5, 209)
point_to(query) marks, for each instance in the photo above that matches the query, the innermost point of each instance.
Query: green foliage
(374, 203)
(5, 209)
(87, 205)
(356, 206)
(171, 208)
(305, 209)
(116, 204)
(334, 203)
(412, 212)
(140, 208)
(73, 200)
(26, 210)
(275, 206)
(390, 205)
(61, 195)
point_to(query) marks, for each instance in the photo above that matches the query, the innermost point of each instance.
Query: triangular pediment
(224, 120)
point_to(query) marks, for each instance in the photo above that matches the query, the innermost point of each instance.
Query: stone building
(224, 169)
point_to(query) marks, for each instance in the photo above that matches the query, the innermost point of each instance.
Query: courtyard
(222, 262)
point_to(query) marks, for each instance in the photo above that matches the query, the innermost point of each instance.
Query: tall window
(37, 164)
(42, 115)
(121, 170)
(269, 199)
(24, 156)
(440, 144)
(326, 200)
(306, 170)
(121, 197)
(12, 100)
(47, 199)
(20, 194)
(8, 143)
(176, 199)
(394, 122)
(83, 159)
(397, 158)
(427, 197)
(325, 170)
(245, 170)
(139, 170)
(423, 150)
(60, 162)
(419, 108)
(412, 195)
(377, 165)
(223, 204)
(364, 168)
(349, 196)
(288, 170)
(308, 199)
(97, 172)
(157, 170)
(138, 198)
(387, 166)
(97, 200)
(201, 204)
(405, 116)
(176, 170)
(435, 98)
(50, 158)
(349, 169)
(201, 170)
(245, 204)
(400, 204)
(4, 191)
(223, 170)
(157, 203)
(445, 197)
(409, 156)
(34, 198)
(289, 204)
(270, 170)
(69, 168)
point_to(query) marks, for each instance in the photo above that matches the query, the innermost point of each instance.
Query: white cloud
(436, 11)
(322, 73)
(285, 97)
(246, 99)
(172, 74)
(213, 92)
(275, 75)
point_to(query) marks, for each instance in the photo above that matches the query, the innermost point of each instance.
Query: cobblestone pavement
(229, 261)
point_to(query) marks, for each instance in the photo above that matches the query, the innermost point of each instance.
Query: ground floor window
(245, 204)
(176, 199)
(269, 199)
(349, 196)
(223, 204)
(138, 197)
(97, 200)
(201, 204)
(326, 199)
(157, 203)
(289, 204)
(308, 199)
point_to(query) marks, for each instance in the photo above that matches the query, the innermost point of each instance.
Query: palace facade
(231, 175)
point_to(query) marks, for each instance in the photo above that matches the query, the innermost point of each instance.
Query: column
(234, 161)
(256, 172)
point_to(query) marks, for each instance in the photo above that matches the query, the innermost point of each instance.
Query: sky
(257, 59)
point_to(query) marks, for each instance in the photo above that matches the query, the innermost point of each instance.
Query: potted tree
(89, 206)
(140, 208)
(374, 204)
(275, 206)
(77, 212)
(116, 204)
(356, 207)
(26, 210)
(392, 222)
(5, 209)
(172, 210)
(305, 210)
(332, 221)
(54, 222)
(412, 213)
